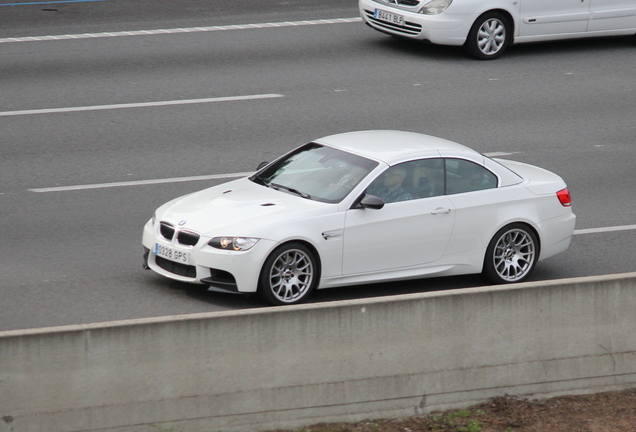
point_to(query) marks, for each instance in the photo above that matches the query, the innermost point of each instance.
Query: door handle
(441, 211)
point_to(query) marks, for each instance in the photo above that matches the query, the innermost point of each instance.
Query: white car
(363, 207)
(487, 27)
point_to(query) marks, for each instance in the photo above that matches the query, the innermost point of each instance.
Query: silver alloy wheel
(291, 275)
(514, 255)
(491, 36)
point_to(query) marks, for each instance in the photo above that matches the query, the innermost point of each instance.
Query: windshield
(316, 172)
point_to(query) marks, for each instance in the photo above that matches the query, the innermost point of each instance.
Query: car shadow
(253, 300)
(544, 271)
(396, 288)
(427, 51)
(572, 46)
(420, 49)
(201, 294)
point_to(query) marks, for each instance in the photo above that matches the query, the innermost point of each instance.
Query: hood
(237, 208)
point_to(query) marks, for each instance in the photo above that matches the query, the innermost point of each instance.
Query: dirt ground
(602, 412)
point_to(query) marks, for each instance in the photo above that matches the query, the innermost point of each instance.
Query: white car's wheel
(488, 37)
(511, 254)
(289, 274)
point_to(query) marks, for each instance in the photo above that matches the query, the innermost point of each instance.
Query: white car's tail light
(564, 197)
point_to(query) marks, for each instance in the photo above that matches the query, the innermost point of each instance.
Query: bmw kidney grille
(168, 231)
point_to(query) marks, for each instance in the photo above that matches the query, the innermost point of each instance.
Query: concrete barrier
(342, 361)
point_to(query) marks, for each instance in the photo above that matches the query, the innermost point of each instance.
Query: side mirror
(262, 165)
(370, 202)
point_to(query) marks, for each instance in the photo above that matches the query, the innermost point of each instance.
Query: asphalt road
(87, 123)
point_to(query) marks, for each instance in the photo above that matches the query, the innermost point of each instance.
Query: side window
(466, 176)
(410, 180)
(391, 185)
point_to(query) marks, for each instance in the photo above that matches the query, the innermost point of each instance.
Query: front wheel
(488, 37)
(289, 274)
(511, 254)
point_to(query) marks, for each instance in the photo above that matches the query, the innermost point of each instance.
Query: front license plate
(172, 254)
(389, 17)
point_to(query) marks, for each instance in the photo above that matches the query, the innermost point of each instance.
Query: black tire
(289, 275)
(512, 254)
(489, 36)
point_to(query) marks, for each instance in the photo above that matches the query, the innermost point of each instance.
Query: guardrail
(342, 361)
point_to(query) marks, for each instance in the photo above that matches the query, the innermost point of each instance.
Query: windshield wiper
(292, 190)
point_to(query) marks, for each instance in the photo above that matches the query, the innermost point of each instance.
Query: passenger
(474, 177)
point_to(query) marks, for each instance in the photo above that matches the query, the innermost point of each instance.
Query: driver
(393, 190)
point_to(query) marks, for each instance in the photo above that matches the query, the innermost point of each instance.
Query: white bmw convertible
(362, 207)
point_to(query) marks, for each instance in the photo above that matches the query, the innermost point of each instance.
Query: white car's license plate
(172, 254)
(389, 17)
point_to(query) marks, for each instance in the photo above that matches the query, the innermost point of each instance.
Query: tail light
(564, 197)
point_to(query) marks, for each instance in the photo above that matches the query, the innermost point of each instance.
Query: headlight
(435, 7)
(233, 243)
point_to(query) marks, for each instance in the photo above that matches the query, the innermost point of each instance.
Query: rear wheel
(289, 274)
(488, 37)
(511, 254)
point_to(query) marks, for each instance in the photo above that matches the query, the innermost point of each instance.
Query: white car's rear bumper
(556, 234)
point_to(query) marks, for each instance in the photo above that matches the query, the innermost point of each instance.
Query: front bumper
(221, 270)
(443, 29)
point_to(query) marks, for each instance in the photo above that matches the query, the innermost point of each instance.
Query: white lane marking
(138, 105)
(180, 30)
(140, 182)
(605, 229)
(48, 2)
